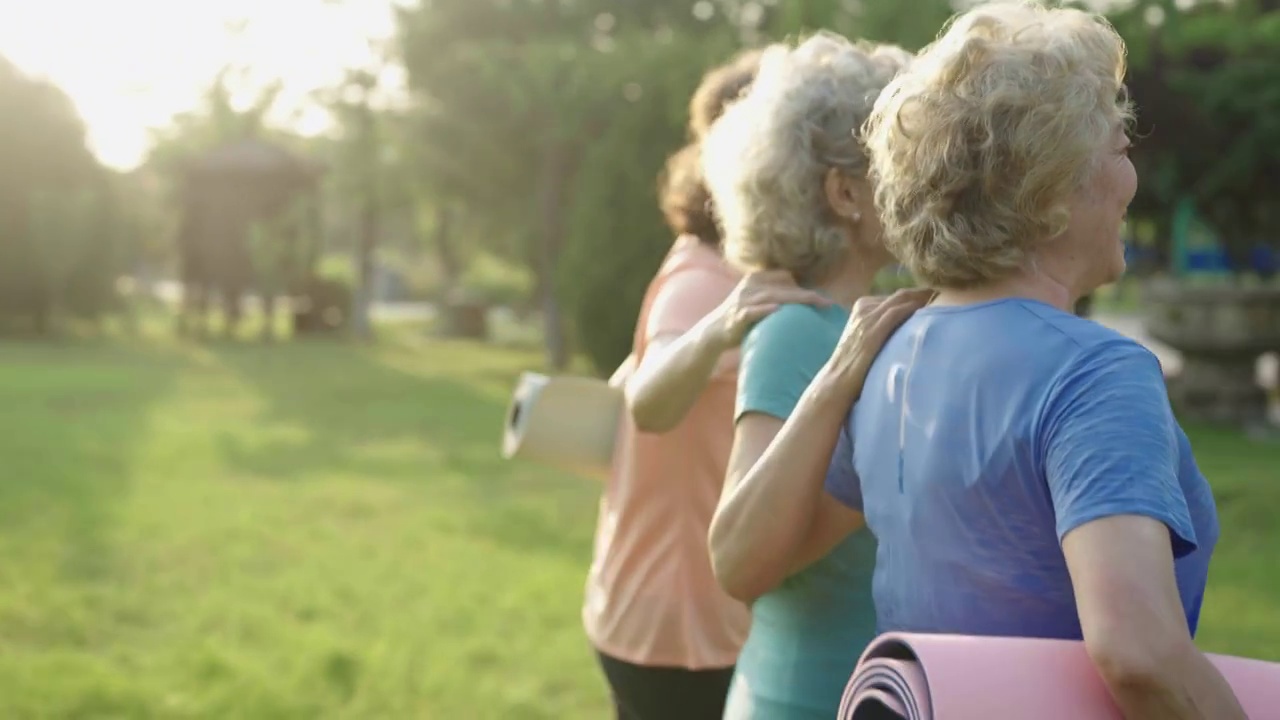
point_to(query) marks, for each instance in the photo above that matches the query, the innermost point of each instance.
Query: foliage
(491, 281)
(58, 211)
(214, 120)
(1208, 73)
(514, 97)
(321, 304)
(78, 238)
(866, 19)
(616, 236)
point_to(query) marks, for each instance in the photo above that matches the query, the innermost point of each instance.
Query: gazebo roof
(253, 157)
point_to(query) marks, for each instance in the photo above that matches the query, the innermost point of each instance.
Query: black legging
(665, 693)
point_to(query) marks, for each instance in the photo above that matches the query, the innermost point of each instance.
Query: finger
(753, 314)
(867, 305)
(913, 301)
(889, 319)
(913, 296)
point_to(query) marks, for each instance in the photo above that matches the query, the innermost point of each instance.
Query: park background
(292, 506)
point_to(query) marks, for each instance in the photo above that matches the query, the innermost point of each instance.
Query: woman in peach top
(667, 636)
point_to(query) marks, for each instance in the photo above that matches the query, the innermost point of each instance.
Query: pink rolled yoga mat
(903, 676)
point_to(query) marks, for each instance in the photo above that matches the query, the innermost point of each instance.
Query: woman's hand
(756, 296)
(873, 320)
(676, 367)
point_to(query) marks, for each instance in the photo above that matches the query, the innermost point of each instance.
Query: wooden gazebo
(225, 192)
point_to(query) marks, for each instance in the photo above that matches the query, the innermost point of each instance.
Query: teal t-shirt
(806, 634)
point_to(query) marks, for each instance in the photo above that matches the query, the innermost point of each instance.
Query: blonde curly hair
(977, 149)
(766, 158)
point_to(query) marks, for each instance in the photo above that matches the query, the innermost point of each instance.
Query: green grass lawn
(324, 531)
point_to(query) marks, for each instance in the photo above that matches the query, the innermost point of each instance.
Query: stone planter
(1221, 331)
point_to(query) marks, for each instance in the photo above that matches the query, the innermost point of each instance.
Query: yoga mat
(904, 676)
(565, 422)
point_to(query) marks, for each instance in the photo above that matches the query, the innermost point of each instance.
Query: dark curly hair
(683, 197)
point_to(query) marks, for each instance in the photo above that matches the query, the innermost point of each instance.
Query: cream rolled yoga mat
(955, 677)
(565, 422)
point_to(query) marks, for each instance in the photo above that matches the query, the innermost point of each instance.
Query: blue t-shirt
(985, 433)
(806, 634)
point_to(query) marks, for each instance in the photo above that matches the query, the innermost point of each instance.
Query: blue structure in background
(1197, 251)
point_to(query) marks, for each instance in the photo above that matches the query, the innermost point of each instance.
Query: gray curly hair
(766, 158)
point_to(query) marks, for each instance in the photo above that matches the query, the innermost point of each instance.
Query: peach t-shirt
(651, 596)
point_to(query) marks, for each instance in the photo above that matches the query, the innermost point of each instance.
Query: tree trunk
(362, 323)
(446, 248)
(556, 172)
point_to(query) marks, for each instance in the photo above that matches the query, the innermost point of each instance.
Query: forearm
(764, 520)
(1188, 687)
(669, 380)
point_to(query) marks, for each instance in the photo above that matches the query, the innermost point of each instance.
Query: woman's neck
(853, 281)
(1032, 286)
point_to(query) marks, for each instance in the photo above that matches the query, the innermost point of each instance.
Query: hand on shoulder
(873, 320)
(756, 296)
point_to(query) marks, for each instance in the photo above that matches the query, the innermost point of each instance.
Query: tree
(1208, 73)
(56, 207)
(513, 95)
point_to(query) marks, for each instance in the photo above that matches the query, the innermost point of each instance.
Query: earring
(857, 217)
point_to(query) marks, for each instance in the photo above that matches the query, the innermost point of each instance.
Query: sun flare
(130, 65)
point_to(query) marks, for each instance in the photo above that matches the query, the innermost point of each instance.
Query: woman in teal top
(787, 175)
(806, 634)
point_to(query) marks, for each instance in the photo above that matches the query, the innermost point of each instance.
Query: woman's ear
(845, 195)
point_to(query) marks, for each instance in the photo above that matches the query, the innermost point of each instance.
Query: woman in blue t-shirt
(1019, 466)
(788, 177)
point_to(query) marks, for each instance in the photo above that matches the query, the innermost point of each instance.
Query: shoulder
(801, 320)
(692, 280)
(692, 275)
(689, 255)
(796, 330)
(782, 354)
(1085, 346)
(1107, 380)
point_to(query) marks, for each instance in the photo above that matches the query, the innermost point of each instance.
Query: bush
(321, 305)
(68, 262)
(491, 281)
(892, 278)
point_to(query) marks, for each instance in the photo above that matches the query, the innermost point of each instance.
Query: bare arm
(1112, 464)
(1134, 627)
(775, 517)
(676, 367)
(673, 374)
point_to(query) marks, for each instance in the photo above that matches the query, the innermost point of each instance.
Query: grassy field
(323, 531)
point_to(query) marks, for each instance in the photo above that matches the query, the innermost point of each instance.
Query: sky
(131, 65)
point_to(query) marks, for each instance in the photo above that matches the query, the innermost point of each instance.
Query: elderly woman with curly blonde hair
(1019, 466)
(788, 176)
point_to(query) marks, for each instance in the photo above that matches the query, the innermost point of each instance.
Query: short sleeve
(780, 357)
(1109, 444)
(842, 481)
(685, 297)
